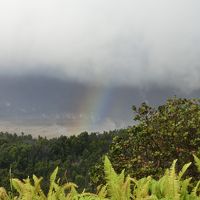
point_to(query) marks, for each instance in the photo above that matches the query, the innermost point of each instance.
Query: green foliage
(74, 155)
(197, 162)
(171, 186)
(118, 188)
(161, 135)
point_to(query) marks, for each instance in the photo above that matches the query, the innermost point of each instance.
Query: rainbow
(92, 109)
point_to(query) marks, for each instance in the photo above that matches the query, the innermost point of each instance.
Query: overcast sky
(55, 54)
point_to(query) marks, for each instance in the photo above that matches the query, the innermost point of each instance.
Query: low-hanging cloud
(130, 42)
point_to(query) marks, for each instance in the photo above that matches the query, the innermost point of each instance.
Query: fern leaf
(197, 162)
(52, 182)
(3, 194)
(195, 189)
(183, 170)
(173, 182)
(102, 191)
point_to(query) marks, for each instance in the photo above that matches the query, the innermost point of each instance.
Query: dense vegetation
(161, 135)
(171, 186)
(74, 155)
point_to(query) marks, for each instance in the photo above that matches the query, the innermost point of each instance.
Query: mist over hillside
(71, 66)
(50, 107)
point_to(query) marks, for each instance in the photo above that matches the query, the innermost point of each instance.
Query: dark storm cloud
(41, 105)
(55, 55)
(132, 43)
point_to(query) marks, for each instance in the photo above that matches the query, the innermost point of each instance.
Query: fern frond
(118, 188)
(102, 191)
(183, 170)
(197, 162)
(174, 187)
(3, 194)
(195, 189)
(18, 185)
(184, 187)
(52, 182)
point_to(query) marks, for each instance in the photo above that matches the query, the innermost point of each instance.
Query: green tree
(170, 131)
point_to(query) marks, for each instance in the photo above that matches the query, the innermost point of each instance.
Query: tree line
(22, 155)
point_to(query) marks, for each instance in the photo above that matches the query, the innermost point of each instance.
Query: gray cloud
(59, 58)
(47, 106)
(124, 42)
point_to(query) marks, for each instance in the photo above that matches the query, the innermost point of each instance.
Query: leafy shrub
(162, 134)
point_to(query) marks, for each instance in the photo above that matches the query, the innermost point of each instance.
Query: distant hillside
(74, 155)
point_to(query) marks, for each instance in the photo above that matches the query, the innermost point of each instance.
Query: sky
(71, 65)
